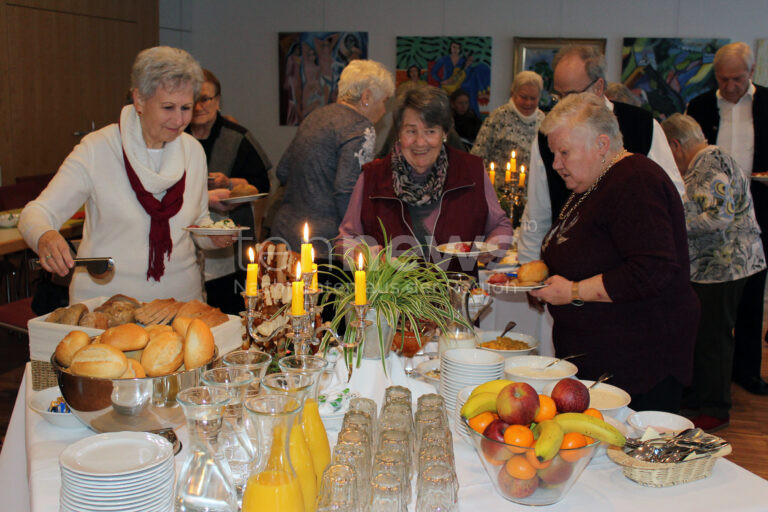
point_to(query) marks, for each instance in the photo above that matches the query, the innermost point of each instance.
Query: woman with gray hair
(142, 181)
(512, 126)
(424, 193)
(321, 165)
(725, 249)
(618, 258)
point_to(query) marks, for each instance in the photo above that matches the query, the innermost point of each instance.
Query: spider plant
(398, 288)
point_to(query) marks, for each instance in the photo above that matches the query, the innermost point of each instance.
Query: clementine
(547, 409)
(481, 421)
(520, 436)
(519, 467)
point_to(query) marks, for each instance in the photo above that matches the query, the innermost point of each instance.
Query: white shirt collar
(608, 103)
(747, 95)
(524, 117)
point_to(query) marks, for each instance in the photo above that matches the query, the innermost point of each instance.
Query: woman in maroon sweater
(618, 257)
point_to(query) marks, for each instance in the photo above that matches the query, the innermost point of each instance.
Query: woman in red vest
(424, 193)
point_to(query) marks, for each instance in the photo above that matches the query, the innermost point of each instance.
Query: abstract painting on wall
(666, 73)
(310, 65)
(451, 63)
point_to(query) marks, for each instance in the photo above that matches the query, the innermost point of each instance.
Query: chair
(40, 179)
(15, 315)
(18, 195)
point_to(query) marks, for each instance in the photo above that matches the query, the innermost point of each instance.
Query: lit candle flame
(360, 261)
(493, 166)
(250, 254)
(513, 154)
(522, 168)
(306, 232)
(298, 270)
(509, 166)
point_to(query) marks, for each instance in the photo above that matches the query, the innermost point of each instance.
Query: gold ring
(49, 256)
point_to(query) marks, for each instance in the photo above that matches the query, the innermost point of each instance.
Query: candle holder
(253, 304)
(351, 346)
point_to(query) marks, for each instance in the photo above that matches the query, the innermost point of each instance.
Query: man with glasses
(734, 117)
(580, 69)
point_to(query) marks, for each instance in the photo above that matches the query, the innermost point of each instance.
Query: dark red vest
(463, 209)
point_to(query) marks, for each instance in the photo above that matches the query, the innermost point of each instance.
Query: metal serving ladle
(574, 356)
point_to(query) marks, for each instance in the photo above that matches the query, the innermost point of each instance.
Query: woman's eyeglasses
(205, 100)
(557, 95)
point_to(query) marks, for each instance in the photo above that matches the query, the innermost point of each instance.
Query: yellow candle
(314, 276)
(508, 173)
(492, 174)
(360, 297)
(297, 298)
(306, 249)
(521, 181)
(252, 276)
(513, 160)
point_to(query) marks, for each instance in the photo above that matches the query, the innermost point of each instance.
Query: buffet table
(12, 241)
(29, 460)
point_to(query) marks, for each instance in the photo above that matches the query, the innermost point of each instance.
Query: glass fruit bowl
(518, 476)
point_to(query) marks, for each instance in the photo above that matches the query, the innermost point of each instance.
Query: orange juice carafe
(311, 423)
(273, 485)
(297, 385)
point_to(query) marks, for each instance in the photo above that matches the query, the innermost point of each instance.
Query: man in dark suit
(735, 117)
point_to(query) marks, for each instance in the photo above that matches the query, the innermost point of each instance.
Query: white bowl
(530, 369)
(533, 343)
(472, 357)
(609, 400)
(9, 220)
(40, 402)
(660, 421)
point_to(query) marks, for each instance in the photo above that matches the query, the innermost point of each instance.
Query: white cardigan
(116, 225)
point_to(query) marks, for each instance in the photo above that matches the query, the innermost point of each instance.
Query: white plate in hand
(243, 199)
(476, 248)
(215, 231)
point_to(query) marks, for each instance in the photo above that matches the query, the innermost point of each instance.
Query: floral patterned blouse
(504, 130)
(723, 235)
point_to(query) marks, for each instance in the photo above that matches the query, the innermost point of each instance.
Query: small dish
(467, 249)
(660, 421)
(9, 220)
(215, 231)
(532, 342)
(427, 371)
(40, 401)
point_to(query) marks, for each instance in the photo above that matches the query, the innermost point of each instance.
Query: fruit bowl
(513, 475)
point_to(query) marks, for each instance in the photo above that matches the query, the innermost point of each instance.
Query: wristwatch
(575, 299)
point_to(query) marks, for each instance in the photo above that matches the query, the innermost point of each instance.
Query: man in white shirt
(735, 117)
(582, 69)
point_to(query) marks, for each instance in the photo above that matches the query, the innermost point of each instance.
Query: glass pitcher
(458, 334)
(205, 482)
(273, 485)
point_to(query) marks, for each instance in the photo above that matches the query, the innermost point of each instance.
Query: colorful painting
(310, 65)
(666, 73)
(450, 63)
(536, 54)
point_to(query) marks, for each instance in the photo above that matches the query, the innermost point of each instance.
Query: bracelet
(576, 300)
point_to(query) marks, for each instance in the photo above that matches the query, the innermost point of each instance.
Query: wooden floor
(748, 431)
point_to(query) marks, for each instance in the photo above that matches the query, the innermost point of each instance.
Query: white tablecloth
(601, 487)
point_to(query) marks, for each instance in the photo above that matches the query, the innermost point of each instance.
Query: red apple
(495, 452)
(514, 487)
(570, 395)
(517, 403)
(557, 472)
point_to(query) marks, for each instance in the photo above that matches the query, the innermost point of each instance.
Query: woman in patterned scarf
(424, 193)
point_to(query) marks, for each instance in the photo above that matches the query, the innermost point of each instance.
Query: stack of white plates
(461, 367)
(117, 471)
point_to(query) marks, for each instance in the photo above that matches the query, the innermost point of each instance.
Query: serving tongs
(95, 266)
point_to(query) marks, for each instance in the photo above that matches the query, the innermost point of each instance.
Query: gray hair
(526, 78)
(684, 129)
(617, 91)
(584, 110)
(431, 103)
(738, 50)
(361, 74)
(162, 65)
(594, 61)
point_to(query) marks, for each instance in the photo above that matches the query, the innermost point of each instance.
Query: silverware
(574, 356)
(604, 377)
(511, 325)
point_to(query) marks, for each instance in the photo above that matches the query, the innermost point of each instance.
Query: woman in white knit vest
(142, 180)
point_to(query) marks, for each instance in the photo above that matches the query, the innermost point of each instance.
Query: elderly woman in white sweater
(142, 180)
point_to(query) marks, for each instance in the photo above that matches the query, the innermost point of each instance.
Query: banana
(481, 402)
(549, 440)
(590, 426)
(494, 386)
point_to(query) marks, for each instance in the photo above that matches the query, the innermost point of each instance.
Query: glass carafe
(458, 334)
(273, 485)
(311, 423)
(205, 482)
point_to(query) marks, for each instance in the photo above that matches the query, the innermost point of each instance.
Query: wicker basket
(657, 474)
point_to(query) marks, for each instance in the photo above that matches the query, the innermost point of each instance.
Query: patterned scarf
(418, 194)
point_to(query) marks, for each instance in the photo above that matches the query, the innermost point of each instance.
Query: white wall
(237, 39)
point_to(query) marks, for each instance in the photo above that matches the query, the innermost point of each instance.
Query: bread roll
(126, 337)
(69, 345)
(534, 271)
(154, 330)
(163, 354)
(134, 370)
(243, 190)
(198, 344)
(55, 315)
(99, 360)
(95, 319)
(180, 325)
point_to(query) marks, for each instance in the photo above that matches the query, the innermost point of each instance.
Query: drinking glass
(397, 393)
(358, 420)
(359, 461)
(338, 490)
(256, 361)
(436, 491)
(428, 418)
(430, 401)
(386, 494)
(392, 461)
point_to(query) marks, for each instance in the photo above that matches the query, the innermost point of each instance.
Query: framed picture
(536, 54)
(666, 73)
(761, 63)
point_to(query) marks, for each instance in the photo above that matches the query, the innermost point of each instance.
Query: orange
(519, 467)
(594, 413)
(547, 409)
(573, 440)
(520, 436)
(530, 456)
(491, 460)
(481, 421)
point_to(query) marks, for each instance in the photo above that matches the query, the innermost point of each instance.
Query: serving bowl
(531, 369)
(606, 398)
(660, 421)
(546, 485)
(532, 342)
(40, 401)
(114, 405)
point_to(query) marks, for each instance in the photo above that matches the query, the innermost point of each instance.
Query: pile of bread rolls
(131, 351)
